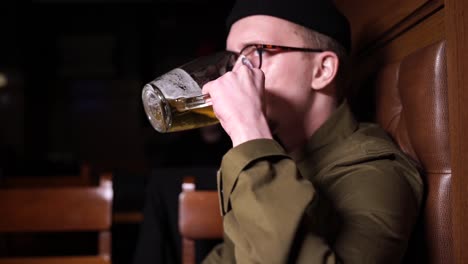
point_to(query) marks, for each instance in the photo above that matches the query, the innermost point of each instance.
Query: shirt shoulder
(368, 143)
(366, 160)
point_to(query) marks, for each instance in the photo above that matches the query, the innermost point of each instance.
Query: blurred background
(71, 74)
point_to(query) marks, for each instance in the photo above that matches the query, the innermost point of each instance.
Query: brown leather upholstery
(412, 105)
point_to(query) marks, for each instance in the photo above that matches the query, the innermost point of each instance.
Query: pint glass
(174, 100)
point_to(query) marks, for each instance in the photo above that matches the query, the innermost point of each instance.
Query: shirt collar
(340, 125)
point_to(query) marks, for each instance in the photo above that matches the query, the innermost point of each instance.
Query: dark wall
(75, 71)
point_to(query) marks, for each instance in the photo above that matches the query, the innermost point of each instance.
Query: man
(304, 182)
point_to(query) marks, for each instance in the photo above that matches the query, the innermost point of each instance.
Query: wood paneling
(457, 68)
(423, 34)
(373, 20)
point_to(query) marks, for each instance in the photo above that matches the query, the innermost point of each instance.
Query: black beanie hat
(318, 15)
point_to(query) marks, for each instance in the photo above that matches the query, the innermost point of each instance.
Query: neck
(294, 136)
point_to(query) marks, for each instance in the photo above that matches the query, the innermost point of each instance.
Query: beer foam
(177, 83)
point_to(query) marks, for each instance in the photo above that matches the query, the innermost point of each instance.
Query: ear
(325, 69)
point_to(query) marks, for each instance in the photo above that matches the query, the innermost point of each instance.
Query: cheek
(287, 92)
(291, 81)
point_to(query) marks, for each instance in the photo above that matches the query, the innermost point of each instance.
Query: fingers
(206, 88)
(242, 60)
(246, 62)
(243, 69)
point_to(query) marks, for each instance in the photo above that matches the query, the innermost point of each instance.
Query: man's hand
(238, 102)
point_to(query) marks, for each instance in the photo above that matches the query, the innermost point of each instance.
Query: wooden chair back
(84, 178)
(199, 218)
(59, 209)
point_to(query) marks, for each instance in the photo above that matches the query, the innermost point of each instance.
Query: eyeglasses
(254, 52)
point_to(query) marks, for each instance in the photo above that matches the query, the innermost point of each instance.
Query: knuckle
(207, 87)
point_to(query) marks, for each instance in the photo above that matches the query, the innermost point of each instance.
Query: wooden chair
(59, 209)
(84, 178)
(199, 218)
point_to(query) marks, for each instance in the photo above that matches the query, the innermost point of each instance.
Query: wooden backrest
(84, 178)
(199, 218)
(59, 209)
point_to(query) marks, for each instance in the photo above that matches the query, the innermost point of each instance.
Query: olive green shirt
(349, 196)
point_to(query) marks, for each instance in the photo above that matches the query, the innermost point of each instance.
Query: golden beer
(170, 115)
(174, 100)
(192, 118)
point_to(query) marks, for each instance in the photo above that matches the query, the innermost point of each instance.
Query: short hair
(321, 41)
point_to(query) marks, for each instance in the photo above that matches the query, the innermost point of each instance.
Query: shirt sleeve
(260, 221)
(271, 214)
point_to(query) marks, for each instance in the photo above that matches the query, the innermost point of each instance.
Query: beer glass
(174, 100)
